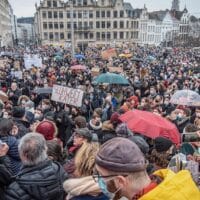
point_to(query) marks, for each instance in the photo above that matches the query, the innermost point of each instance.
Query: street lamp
(72, 26)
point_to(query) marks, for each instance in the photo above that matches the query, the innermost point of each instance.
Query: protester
(121, 172)
(39, 177)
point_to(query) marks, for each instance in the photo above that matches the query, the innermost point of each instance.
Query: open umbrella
(125, 55)
(79, 56)
(150, 125)
(186, 98)
(44, 90)
(136, 59)
(58, 57)
(3, 96)
(78, 67)
(111, 78)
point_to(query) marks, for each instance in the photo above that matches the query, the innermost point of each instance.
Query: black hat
(18, 112)
(162, 144)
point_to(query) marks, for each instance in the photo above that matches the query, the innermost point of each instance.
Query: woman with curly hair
(84, 186)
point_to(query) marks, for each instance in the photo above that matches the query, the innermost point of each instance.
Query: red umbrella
(150, 125)
(78, 67)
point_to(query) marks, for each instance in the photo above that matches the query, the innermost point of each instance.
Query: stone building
(6, 14)
(86, 22)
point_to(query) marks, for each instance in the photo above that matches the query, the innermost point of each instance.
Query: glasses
(97, 176)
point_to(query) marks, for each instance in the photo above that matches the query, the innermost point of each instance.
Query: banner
(32, 61)
(109, 53)
(67, 95)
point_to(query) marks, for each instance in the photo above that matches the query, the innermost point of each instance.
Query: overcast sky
(26, 8)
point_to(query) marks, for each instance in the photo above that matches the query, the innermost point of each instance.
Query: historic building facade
(86, 22)
(6, 14)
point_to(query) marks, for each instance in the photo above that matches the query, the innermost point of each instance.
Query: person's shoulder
(14, 191)
(89, 197)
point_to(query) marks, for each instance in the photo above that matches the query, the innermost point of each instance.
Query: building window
(50, 25)
(50, 36)
(102, 2)
(45, 36)
(103, 14)
(49, 14)
(56, 36)
(115, 35)
(55, 14)
(61, 25)
(85, 25)
(97, 24)
(85, 14)
(44, 15)
(68, 25)
(49, 3)
(61, 15)
(121, 24)
(91, 35)
(91, 24)
(108, 35)
(108, 24)
(74, 14)
(85, 2)
(62, 36)
(79, 2)
(97, 14)
(69, 35)
(79, 14)
(79, 25)
(127, 24)
(90, 14)
(55, 4)
(103, 25)
(115, 14)
(121, 13)
(103, 35)
(108, 13)
(68, 14)
(44, 25)
(115, 24)
(85, 35)
(98, 36)
(75, 25)
(56, 25)
(121, 35)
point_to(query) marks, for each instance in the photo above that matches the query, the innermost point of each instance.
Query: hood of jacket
(81, 186)
(43, 181)
(173, 187)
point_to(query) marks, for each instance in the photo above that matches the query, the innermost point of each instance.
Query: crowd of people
(50, 150)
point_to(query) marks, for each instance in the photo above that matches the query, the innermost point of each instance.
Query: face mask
(103, 187)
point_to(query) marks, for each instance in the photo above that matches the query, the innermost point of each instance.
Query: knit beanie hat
(121, 155)
(162, 144)
(84, 132)
(115, 118)
(48, 129)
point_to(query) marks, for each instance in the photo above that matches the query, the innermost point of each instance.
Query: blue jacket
(13, 154)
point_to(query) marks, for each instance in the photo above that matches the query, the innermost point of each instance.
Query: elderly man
(121, 172)
(39, 178)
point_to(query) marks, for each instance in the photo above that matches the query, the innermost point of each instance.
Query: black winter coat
(43, 181)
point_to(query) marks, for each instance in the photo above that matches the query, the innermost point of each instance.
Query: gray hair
(32, 149)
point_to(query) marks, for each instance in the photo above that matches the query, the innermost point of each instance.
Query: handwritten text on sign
(67, 95)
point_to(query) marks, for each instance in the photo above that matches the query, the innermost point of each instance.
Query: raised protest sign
(67, 95)
(32, 61)
(109, 53)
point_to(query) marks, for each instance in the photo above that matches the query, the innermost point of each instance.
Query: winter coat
(23, 127)
(12, 155)
(5, 177)
(43, 181)
(83, 189)
(178, 186)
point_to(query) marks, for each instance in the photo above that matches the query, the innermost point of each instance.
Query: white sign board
(67, 95)
(30, 61)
